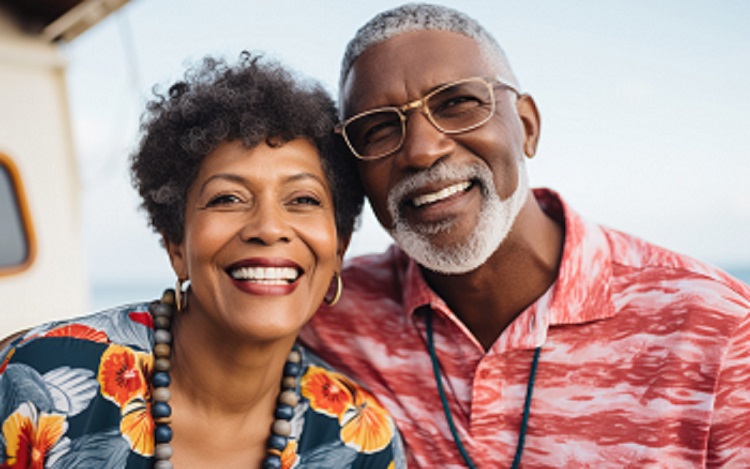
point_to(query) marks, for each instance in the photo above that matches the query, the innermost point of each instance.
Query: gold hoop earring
(339, 290)
(180, 295)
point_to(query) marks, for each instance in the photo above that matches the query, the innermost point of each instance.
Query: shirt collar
(581, 292)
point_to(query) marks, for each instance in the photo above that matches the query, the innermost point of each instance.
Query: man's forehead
(407, 66)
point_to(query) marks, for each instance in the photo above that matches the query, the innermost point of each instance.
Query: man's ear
(177, 257)
(531, 121)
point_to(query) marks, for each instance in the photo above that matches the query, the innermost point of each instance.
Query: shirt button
(484, 374)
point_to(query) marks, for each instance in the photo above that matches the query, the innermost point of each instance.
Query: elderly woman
(255, 202)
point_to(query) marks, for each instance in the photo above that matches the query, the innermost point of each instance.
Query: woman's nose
(267, 224)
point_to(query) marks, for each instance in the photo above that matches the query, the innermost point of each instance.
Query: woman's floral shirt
(77, 394)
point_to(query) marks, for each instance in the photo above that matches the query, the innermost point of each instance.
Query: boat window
(16, 240)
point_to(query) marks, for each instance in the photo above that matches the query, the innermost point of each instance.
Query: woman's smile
(266, 276)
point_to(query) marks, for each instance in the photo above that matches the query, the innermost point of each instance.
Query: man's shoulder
(637, 261)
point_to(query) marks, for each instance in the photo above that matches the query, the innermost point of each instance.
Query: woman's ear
(177, 257)
(531, 122)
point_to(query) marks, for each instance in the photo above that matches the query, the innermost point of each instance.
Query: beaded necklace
(447, 411)
(162, 313)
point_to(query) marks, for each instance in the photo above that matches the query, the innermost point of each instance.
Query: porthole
(17, 243)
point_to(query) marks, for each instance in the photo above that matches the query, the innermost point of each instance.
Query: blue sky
(645, 109)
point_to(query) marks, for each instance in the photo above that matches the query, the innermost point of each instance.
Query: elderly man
(503, 327)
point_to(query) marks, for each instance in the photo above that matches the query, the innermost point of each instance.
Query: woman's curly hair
(252, 101)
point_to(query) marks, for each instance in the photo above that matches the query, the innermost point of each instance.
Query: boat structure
(42, 268)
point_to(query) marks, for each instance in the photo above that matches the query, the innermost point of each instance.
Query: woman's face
(260, 246)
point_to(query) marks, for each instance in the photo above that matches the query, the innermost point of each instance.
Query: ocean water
(742, 273)
(107, 295)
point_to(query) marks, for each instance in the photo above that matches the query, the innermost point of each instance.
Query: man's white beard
(495, 220)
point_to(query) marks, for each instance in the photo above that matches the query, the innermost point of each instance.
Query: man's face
(440, 187)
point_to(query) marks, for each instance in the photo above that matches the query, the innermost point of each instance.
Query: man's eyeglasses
(453, 108)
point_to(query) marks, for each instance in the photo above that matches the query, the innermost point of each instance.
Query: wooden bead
(271, 461)
(292, 369)
(161, 379)
(162, 322)
(277, 443)
(163, 434)
(163, 451)
(162, 364)
(160, 409)
(162, 394)
(162, 350)
(282, 427)
(168, 297)
(289, 382)
(284, 412)
(289, 397)
(160, 310)
(294, 357)
(162, 336)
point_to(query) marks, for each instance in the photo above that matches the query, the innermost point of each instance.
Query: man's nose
(423, 143)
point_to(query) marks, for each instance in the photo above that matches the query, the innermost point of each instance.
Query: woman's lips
(261, 276)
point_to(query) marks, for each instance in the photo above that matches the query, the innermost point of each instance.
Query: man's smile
(442, 194)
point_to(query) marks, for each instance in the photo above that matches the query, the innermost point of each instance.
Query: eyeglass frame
(420, 103)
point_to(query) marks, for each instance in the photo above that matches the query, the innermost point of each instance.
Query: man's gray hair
(419, 17)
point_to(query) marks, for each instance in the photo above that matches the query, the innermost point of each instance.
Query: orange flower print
(137, 426)
(289, 455)
(122, 374)
(123, 379)
(5, 362)
(365, 425)
(78, 331)
(30, 436)
(327, 391)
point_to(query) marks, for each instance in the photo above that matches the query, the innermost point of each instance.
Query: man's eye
(457, 105)
(382, 131)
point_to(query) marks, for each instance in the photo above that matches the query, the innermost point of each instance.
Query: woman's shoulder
(71, 382)
(128, 325)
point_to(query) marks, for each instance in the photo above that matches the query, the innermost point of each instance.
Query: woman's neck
(221, 373)
(224, 391)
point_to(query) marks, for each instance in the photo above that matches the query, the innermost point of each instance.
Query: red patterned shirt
(645, 359)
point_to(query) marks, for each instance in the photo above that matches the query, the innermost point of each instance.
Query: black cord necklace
(447, 411)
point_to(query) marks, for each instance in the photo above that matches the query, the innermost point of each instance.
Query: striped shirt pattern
(645, 359)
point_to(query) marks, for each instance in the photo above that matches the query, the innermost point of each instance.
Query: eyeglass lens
(452, 109)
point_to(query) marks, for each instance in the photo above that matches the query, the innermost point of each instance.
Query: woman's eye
(306, 200)
(223, 200)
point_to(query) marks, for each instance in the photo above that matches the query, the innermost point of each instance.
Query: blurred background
(645, 110)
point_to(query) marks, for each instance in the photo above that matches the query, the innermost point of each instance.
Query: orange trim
(23, 209)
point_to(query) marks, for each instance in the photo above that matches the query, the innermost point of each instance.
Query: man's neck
(489, 298)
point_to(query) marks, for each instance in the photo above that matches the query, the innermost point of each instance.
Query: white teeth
(266, 275)
(441, 194)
